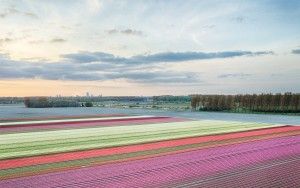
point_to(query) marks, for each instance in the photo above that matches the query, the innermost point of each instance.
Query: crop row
(170, 168)
(147, 151)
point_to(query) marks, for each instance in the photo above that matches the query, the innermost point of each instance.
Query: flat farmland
(121, 150)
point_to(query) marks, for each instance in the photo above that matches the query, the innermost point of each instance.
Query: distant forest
(171, 99)
(276, 103)
(71, 101)
(44, 102)
(248, 103)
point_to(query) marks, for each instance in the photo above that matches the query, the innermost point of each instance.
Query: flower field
(118, 150)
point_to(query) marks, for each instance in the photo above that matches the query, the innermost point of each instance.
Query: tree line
(277, 103)
(11, 100)
(171, 99)
(45, 102)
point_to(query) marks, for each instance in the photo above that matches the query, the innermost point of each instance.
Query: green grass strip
(116, 136)
(102, 131)
(17, 151)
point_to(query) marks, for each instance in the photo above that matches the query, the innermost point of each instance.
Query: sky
(136, 47)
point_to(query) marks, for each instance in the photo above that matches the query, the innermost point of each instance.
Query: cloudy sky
(149, 47)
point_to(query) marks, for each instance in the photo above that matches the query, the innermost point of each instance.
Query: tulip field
(118, 150)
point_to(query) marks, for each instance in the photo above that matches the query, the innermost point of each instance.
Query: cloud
(234, 75)
(125, 32)
(112, 31)
(239, 19)
(131, 32)
(8, 12)
(86, 66)
(13, 11)
(87, 57)
(159, 77)
(36, 41)
(58, 40)
(188, 56)
(5, 40)
(296, 51)
(96, 71)
(94, 5)
(30, 14)
(209, 26)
